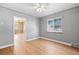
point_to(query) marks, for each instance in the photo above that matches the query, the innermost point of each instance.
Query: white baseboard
(38, 38)
(56, 41)
(50, 40)
(6, 46)
(32, 39)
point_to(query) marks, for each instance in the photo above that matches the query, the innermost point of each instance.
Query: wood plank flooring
(39, 47)
(53, 48)
(7, 51)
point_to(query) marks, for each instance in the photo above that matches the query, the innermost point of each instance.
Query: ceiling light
(39, 7)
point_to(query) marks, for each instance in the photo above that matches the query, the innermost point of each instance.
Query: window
(54, 24)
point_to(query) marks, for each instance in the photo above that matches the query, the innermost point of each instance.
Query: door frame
(24, 19)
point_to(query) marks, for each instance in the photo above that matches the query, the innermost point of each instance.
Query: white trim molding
(69, 44)
(50, 40)
(5, 46)
(57, 41)
(32, 39)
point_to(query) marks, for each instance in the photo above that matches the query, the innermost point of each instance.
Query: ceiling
(28, 9)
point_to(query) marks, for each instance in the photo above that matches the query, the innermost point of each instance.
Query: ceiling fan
(40, 7)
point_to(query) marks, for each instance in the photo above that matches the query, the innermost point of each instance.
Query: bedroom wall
(70, 24)
(6, 26)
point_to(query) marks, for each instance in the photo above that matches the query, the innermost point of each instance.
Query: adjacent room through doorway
(19, 33)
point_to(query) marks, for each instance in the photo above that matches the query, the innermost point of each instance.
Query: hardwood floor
(53, 48)
(7, 51)
(39, 47)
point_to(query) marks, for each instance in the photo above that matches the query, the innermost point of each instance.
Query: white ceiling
(27, 8)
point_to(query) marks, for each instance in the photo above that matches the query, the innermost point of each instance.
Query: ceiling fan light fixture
(39, 7)
(39, 10)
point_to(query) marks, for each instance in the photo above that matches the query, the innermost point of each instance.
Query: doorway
(19, 33)
(19, 25)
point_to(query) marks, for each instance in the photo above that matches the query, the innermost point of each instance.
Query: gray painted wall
(70, 24)
(6, 26)
(32, 28)
(6, 31)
